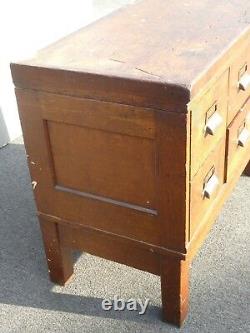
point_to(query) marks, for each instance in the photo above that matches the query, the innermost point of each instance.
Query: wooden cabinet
(136, 131)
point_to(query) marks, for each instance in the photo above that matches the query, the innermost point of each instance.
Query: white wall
(28, 25)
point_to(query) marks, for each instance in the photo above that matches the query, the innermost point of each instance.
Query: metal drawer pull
(243, 137)
(213, 123)
(244, 82)
(211, 186)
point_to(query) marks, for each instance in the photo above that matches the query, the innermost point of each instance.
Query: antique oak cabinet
(136, 130)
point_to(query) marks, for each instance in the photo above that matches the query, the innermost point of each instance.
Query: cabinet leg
(59, 259)
(174, 290)
(247, 170)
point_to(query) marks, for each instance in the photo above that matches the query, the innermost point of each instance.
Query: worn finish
(59, 258)
(180, 50)
(189, 35)
(136, 132)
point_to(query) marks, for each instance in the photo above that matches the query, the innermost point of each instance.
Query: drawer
(238, 140)
(206, 186)
(239, 83)
(208, 121)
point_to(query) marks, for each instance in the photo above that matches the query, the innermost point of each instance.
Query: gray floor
(30, 303)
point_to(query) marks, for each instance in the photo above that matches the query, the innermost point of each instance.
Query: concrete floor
(29, 302)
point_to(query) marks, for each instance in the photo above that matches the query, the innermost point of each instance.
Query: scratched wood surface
(164, 41)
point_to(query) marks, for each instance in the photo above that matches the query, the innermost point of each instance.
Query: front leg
(59, 258)
(174, 290)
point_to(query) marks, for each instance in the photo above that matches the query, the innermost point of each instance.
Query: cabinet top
(171, 42)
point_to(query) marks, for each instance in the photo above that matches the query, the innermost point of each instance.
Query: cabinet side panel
(93, 177)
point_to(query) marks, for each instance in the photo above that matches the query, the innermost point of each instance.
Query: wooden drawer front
(206, 185)
(238, 140)
(208, 124)
(239, 83)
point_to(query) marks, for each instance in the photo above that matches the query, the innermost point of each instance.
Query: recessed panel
(104, 164)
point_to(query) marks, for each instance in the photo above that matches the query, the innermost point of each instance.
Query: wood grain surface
(170, 48)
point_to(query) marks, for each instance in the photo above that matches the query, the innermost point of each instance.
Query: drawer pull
(243, 137)
(213, 123)
(244, 82)
(211, 186)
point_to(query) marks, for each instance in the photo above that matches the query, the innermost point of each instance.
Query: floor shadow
(23, 271)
